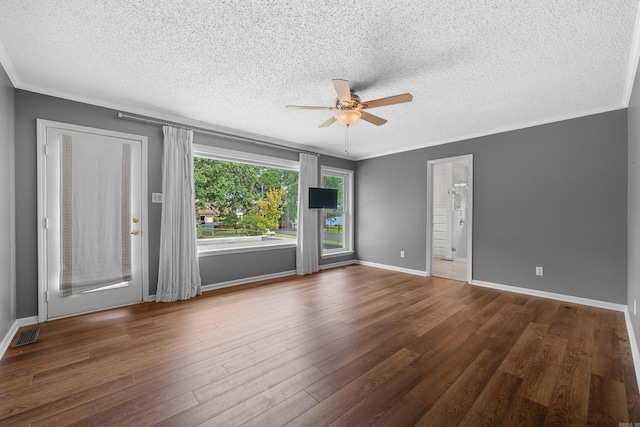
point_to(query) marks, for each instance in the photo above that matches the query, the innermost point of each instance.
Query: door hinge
(46, 296)
(45, 223)
(46, 149)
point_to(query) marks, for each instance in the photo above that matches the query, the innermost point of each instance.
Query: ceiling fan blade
(378, 121)
(304, 107)
(396, 99)
(342, 89)
(328, 122)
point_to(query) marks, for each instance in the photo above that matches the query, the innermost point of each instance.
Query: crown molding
(633, 62)
(502, 129)
(6, 63)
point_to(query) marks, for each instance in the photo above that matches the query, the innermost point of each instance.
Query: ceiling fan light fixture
(348, 117)
(348, 107)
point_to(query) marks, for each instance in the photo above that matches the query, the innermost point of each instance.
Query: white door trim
(42, 126)
(430, 163)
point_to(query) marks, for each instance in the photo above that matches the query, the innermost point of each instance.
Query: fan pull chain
(346, 140)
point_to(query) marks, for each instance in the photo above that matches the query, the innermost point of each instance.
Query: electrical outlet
(401, 254)
(539, 271)
(156, 197)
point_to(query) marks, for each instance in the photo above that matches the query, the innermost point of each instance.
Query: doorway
(449, 216)
(92, 210)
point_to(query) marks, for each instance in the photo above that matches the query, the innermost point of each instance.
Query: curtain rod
(148, 121)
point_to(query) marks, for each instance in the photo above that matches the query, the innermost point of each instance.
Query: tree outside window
(241, 199)
(333, 226)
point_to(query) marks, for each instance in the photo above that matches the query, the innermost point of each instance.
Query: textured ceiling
(473, 68)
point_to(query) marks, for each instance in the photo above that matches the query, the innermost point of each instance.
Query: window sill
(208, 249)
(337, 254)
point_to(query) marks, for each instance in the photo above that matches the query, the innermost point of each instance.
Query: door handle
(135, 232)
(135, 220)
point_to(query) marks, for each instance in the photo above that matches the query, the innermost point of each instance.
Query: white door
(91, 196)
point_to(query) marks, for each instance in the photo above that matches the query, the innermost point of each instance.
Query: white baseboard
(635, 352)
(393, 268)
(17, 324)
(246, 280)
(551, 295)
(338, 264)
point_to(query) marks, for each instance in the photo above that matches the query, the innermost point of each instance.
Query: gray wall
(215, 269)
(633, 252)
(225, 268)
(553, 196)
(7, 227)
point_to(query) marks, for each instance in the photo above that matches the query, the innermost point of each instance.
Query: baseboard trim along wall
(17, 324)
(635, 351)
(393, 268)
(238, 282)
(551, 295)
(246, 280)
(338, 264)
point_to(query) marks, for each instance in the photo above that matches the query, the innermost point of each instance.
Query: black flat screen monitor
(326, 198)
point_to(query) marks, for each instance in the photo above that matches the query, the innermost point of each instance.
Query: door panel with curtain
(93, 217)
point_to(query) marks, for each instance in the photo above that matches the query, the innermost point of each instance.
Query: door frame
(43, 284)
(447, 173)
(430, 163)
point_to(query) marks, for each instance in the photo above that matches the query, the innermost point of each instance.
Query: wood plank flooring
(347, 346)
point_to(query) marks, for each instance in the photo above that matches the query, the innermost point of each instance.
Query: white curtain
(179, 272)
(94, 256)
(307, 250)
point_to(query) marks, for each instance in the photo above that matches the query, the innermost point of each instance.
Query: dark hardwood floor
(347, 346)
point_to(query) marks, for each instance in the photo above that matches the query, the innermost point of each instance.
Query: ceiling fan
(349, 108)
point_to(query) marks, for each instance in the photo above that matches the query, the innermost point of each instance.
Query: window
(244, 201)
(337, 226)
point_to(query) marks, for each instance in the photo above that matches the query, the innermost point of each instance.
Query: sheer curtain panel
(94, 257)
(179, 272)
(307, 249)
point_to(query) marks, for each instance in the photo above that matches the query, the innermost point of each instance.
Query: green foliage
(330, 217)
(249, 219)
(337, 183)
(230, 219)
(289, 181)
(225, 185)
(229, 187)
(270, 209)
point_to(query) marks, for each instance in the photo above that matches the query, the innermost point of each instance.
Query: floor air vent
(26, 337)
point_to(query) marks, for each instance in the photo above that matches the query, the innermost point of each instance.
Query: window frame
(206, 247)
(348, 211)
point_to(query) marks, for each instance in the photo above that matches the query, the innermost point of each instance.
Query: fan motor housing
(355, 102)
